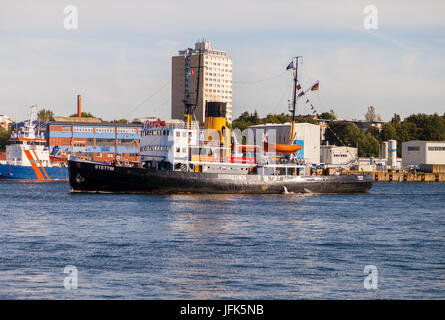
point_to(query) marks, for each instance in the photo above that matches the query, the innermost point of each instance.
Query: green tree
(45, 115)
(388, 132)
(245, 120)
(327, 116)
(396, 119)
(4, 137)
(306, 120)
(373, 131)
(83, 115)
(340, 132)
(276, 118)
(428, 127)
(368, 146)
(370, 115)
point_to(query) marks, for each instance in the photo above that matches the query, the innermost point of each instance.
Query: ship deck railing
(276, 165)
(11, 162)
(17, 135)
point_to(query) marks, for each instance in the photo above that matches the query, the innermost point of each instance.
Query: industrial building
(215, 80)
(93, 138)
(97, 141)
(424, 154)
(347, 158)
(306, 134)
(338, 156)
(387, 159)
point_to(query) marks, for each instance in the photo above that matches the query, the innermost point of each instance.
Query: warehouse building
(306, 134)
(425, 154)
(338, 156)
(93, 139)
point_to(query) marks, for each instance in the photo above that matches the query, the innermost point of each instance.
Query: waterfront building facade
(215, 80)
(93, 139)
(418, 152)
(306, 134)
(338, 155)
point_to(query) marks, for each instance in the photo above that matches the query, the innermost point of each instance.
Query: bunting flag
(307, 100)
(290, 66)
(301, 94)
(298, 86)
(315, 87)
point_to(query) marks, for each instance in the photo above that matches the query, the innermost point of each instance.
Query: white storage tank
(392, 151)
(384, 150)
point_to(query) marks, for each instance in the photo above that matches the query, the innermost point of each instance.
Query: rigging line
(340, 140)
(262, 80)
(162, 104)
(321, 103)
(147, 99)
(282, 95)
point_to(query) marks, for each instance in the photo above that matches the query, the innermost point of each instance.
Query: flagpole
(294, 100)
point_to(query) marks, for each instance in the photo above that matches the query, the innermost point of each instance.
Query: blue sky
(120, 55)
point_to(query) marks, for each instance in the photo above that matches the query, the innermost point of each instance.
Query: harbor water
(290, 246)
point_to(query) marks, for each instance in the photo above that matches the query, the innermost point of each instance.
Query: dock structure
(402, 176)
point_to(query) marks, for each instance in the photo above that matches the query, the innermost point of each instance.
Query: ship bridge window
(178, 134)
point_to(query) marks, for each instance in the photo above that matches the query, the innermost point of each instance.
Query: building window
(104, 130)
(416, 148)
(436, 148)
(82, 129)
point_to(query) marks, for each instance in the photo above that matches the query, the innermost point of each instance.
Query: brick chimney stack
(79, 107)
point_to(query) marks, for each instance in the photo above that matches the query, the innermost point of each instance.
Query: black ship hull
(87, 176)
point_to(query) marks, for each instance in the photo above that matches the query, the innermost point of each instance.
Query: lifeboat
(282, 148)
(279, 148)
(61, 158)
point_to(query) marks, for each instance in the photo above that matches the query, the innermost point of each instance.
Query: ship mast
(29, 124)
(294, 98)
(187, 104)
(189, 72)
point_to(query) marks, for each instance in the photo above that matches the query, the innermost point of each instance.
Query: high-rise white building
(215, 79)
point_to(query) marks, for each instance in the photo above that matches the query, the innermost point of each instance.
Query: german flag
(315, 87)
